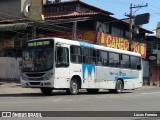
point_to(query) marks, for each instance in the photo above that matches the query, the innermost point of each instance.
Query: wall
(9, 68)
(155, 75)
(145, 72)
(10, 9)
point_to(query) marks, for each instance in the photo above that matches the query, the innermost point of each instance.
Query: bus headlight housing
(48, 76)
(24, 77)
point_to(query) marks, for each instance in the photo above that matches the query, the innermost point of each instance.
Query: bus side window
(102, 58)
(125, 61)
(62, 57)
(114, 59)
(135, 63)
(76, 54)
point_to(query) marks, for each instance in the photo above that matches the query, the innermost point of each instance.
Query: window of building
(127, 34)
(158, 46)
(51, 9)
(117, 32)
(47, 10)
(101, 27)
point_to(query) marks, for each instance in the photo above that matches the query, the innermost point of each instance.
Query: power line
(115, 1)
(150, 8)
(8, 14)
(130, 22)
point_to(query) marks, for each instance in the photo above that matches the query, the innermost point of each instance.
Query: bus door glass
(62, 70)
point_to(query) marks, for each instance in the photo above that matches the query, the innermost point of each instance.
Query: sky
(120, 7)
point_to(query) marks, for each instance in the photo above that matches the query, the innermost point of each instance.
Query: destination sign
(38, 43)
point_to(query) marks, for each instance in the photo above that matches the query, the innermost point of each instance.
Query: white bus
(55, 63)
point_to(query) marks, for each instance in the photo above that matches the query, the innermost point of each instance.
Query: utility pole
(130, 22)
(34, 31)
(130, 28)
(74, 31)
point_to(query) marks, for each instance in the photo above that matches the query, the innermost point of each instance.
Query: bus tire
(119, 87)
(46, 91)
(92, 91)
(74, 87)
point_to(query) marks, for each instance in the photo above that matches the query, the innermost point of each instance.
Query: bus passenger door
(62, 71)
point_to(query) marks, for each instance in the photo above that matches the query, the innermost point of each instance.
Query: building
(72, 20)
(153, 56)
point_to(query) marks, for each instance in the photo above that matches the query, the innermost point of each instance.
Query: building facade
(153, 56)
(74, 20)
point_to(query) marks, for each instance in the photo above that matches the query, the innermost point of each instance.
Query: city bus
(56, 63)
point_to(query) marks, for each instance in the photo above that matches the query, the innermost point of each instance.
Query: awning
(13, 27)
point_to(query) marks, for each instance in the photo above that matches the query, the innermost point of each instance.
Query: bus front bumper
(36, 84)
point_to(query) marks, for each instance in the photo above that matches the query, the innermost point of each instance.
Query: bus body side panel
(107, 77)
(62, 78)
(88, 76)
(103, 78)
(76, 70)
(135, 82)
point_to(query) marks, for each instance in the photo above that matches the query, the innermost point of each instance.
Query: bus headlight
(24, 77)
(48, 76)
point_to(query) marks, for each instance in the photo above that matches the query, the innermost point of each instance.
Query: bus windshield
(37, 60)
(38, 55)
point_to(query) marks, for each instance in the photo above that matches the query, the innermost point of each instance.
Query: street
(15, 98)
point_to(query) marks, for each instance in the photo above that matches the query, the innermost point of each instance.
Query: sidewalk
(15, 88)
(147, 87)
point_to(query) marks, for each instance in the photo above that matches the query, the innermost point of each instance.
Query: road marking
(151, 93)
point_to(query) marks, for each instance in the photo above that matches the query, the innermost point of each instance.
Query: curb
(1, 83)
(148, 87)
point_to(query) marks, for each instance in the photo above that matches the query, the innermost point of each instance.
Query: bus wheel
(119, 86)
(46, 91)
(92, 91)
(74, 87)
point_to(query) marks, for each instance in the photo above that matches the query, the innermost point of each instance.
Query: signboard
(88, 36)
(35, 11)
(152, 58)
(120, 43)
(142, 19)
(9, 44)
(38, 43)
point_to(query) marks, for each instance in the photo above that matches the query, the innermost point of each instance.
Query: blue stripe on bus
(125, 78)
(87, 45)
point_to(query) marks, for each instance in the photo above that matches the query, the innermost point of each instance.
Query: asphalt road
(15, 98)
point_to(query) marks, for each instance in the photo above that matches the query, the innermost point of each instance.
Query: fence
(9, 68)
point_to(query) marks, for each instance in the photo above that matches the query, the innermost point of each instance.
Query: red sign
(9, 44)
(120, 43)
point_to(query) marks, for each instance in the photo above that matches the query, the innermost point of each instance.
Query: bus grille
(35, 74)
(36, 79)
(34, 83)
